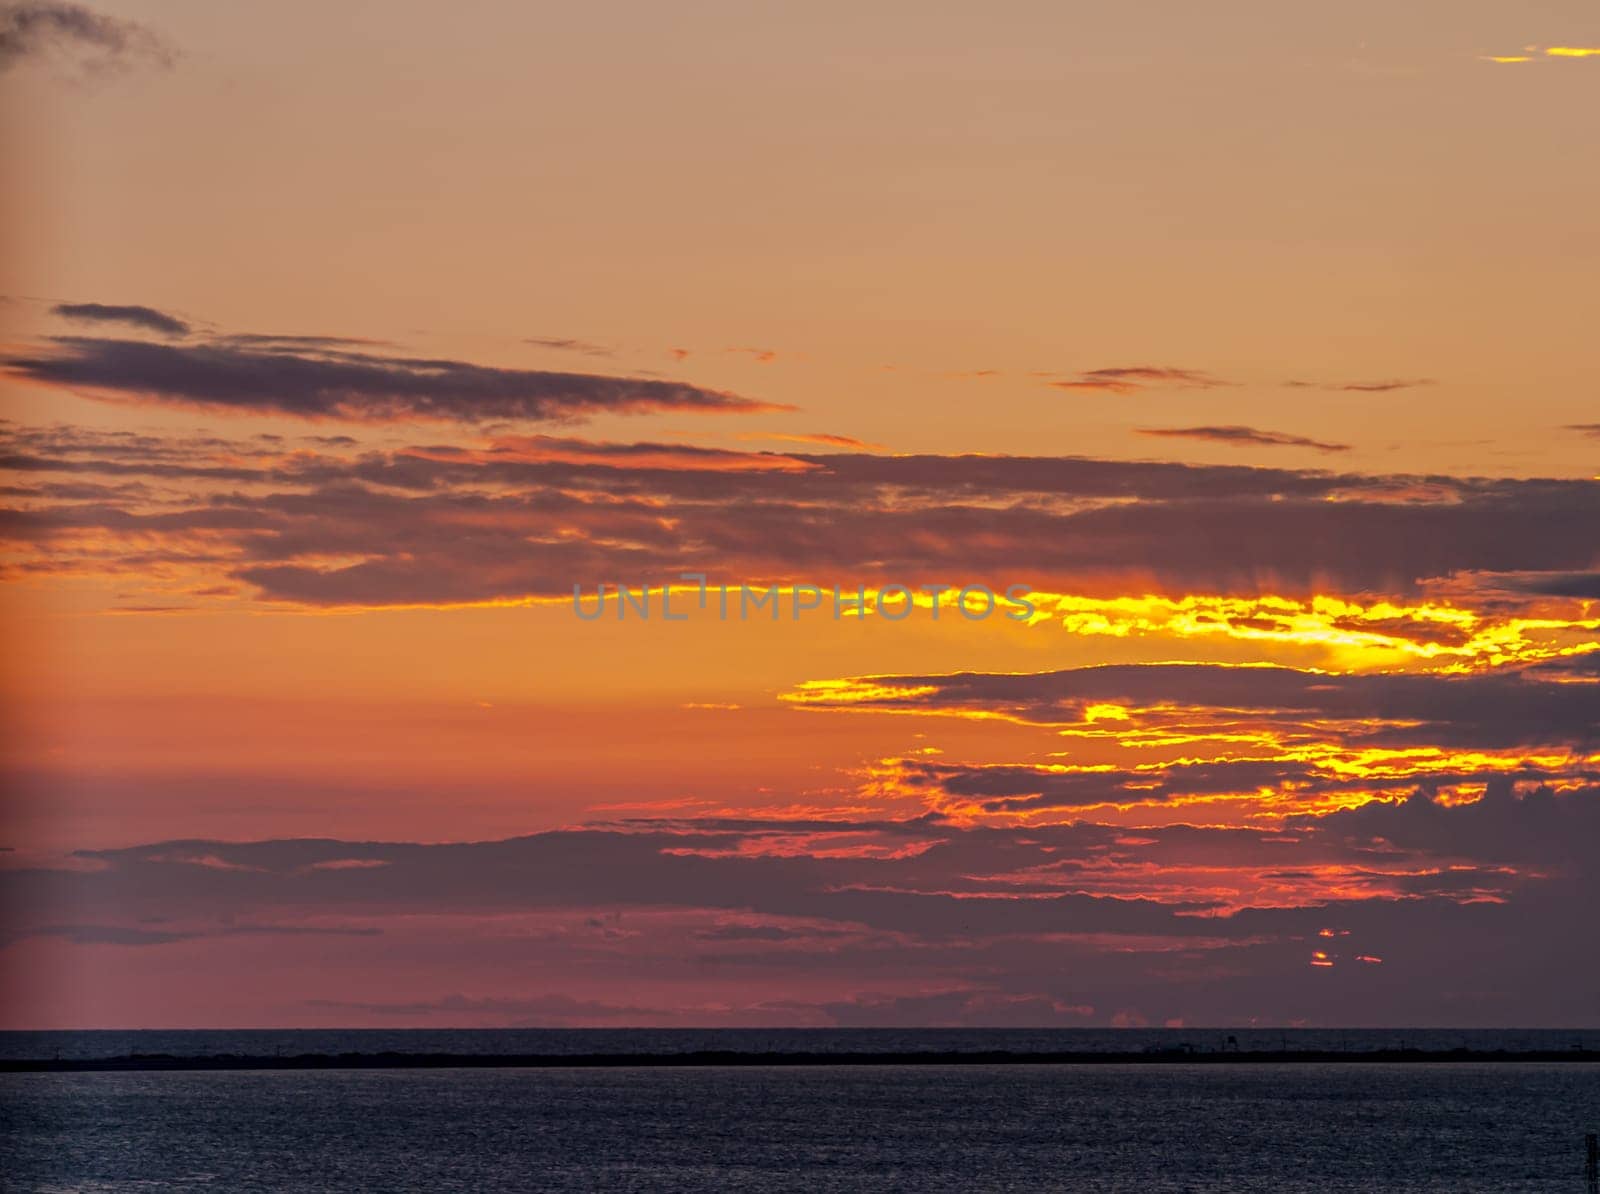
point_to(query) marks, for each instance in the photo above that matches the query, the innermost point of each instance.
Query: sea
(1287, 1126)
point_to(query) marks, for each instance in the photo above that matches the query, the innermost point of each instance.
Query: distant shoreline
(718, 1057)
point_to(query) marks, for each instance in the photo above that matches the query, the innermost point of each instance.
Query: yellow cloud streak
(1361, 637)
(1533, 52)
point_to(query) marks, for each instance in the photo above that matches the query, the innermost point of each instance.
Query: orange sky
(339, 346)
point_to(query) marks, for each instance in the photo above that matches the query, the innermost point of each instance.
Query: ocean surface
(1286, 1127)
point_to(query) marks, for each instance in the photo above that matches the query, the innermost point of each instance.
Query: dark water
(1284, 1128)
(289, 1042)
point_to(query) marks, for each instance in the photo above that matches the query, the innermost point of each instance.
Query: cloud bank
(317, 378)
(547, 513)
(888, 922)
(1244, 437)
(31, 29)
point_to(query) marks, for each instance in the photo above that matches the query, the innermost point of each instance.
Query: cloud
(308, 380)
(1512, 709)
(1585, 429)
(537, 1011)
(1582, 585)
(1535, 54)
(1306, 781)
(1363, 387)
(541, 449)
(964, 1007)
(278, 342)
(1244, 436)
(108, 935)
(565, 344)
(112, 934)
(97, 43)
(1537, 825)
(1131, 379)
(274, 515)
(726, 921)
(819, 438)
(1217, 744)
(147, 318)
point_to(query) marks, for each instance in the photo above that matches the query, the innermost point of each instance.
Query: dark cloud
(566, 344)
(1582, 585)
(1541, 705)
(909, 921)
(822, 438)
(1006, 788)
(1245, 436)
(761, 932)
(1130, 379)
(965, 1007)
(1585, 428)
(275, 340)
(536, 1011)
(1016, 788)
(134, 316)
(644, 512)
(596, 869)
(1363, 387)
(111, 934)
(1243, 548)
(1537, 826)
(39, 28)
(306, 380)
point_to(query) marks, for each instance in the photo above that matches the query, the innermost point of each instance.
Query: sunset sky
(1256, 341)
